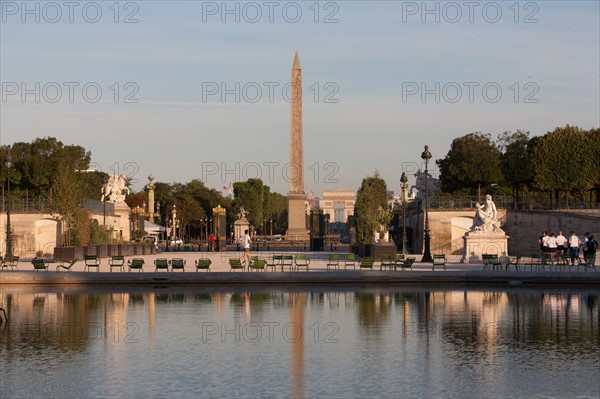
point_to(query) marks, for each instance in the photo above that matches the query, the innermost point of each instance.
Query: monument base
(296, 218)
(477, 244)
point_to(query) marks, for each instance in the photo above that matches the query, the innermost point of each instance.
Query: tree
(516, 160)
(370, 208)
(253, 195)
(472, 162)
(560, 160)
(37, 164)
(66, 199)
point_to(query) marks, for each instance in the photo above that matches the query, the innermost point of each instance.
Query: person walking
(246, 241)
(574, 249)
(561, 243)
(583, 242)
(552, 246)
(590, 257)
(211, 240)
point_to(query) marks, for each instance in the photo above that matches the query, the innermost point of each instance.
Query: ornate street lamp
(404, 188)
(9, 248)
(426, 156)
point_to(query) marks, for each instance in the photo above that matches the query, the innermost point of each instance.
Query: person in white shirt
(246, 241)
(551, 241)
(561, 243)
(574, 248)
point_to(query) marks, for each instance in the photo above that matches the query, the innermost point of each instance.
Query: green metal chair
(116, 261)
(366, 262)
(68, 267)
(302, 261)
(91, 261)
(136, 263)
(349, 260)
(274, 261)
(387, 260)
(287, 260)
(438, 260)
(406, 264)
(235, 264)
(161, 264)
(39, 264)
(258, 265)
(203, 264)
(334, 261)
(178, 263)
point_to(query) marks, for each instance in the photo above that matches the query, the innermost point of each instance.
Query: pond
(253, 341)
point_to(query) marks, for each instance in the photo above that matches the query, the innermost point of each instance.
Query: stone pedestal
(296, 218)
(477, 244)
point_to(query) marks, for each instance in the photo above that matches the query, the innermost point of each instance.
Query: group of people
(555, 245)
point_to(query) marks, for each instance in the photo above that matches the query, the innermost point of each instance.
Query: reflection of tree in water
(535, 318)
(373, 310)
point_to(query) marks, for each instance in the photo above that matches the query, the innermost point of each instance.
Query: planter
(125, 249)
(102, 251)
(138, 249)
(67, 254)
(89, 250)
(113, 250)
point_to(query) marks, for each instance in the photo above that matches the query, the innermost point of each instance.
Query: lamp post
(264, 229)
(426, 156)
(9, 248)
(174, 216)
(404, 188)
(271, 223)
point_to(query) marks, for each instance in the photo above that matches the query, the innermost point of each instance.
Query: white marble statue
(242, 214)
(115, 189)
(486, 220)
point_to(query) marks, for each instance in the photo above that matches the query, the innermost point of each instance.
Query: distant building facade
(338, 203)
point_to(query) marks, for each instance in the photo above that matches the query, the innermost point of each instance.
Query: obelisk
(296, 196)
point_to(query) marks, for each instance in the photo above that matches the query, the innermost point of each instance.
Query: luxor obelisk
(296, 197)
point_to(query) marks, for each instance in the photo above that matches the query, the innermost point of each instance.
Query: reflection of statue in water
(486, 217)
(115, 189)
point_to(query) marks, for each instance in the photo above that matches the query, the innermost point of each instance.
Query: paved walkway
(456, 273)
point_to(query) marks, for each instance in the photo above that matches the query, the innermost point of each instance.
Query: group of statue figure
(486, 219)
(115, 189)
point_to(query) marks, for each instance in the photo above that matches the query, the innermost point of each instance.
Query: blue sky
(381, 80)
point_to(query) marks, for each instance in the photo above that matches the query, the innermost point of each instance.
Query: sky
(189, 90)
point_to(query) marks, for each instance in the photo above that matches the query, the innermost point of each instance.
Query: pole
(427, 238)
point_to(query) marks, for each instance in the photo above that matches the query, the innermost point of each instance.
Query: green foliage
(562, 160)
(80, 228)
(37, 165)
(370, 208)
(516, 159)
(261, 204)
(472, 162)
(66, 198)
(98, 234)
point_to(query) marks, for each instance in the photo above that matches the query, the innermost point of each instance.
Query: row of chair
(335, 261)
(537, 262)
(12, 263)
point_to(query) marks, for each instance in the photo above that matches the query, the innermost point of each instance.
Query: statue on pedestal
(486, 218)
(115, 189)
